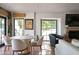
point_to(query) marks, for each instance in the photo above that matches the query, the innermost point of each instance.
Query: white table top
(22, 37)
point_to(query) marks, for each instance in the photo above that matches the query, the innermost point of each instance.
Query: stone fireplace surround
(68, 29)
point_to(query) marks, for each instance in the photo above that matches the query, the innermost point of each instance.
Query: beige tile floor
(65, 48)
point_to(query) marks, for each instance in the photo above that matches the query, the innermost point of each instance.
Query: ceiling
(40, 7)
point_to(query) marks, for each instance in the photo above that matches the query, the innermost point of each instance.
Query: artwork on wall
(28, 23)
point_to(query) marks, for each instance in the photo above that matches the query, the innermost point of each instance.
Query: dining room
(25, 27)
(19, 35)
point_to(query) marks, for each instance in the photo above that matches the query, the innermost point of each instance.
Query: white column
(34, 24)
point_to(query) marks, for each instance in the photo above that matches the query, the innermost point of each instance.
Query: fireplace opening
(73, 34)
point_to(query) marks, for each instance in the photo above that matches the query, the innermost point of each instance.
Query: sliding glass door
(2, 29)
(48, 27)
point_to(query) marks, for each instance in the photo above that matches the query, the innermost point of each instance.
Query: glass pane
(19, 23)
(2, 29)
(48, 27)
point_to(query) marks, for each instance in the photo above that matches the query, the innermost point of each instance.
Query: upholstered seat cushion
(27, 42)
(18, 44)
(34, 42)
(39, 42)
(75, 42)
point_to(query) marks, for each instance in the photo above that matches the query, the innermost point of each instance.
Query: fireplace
(72, 33)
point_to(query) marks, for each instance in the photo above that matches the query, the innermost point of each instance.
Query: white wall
(59, 16)
(29, 32)
(29, 16)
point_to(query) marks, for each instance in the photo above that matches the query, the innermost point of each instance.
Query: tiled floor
(46, 50)
(63, 48)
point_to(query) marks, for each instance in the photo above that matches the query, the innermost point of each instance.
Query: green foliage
(1, 24)
(20, 23)
(46, 25)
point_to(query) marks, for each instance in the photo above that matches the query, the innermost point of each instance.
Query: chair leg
(21, 52)
(13, 53)
(8, 48)
(40, 48)
(31, 50)
(5, 49)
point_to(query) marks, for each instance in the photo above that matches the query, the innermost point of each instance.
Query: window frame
(14, 24)
(2, 44)
(41, 26)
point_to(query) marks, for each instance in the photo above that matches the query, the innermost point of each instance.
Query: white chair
(7, 42)
(28, 44)
(38, 43)
(18, 46)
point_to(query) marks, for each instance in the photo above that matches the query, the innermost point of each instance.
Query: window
(48, 27)
(2, 29)
(19, 26)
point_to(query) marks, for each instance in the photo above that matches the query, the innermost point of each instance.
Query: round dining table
(26, 39)
(22, 37)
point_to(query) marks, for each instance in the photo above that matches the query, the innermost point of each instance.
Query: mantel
(72, 28)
